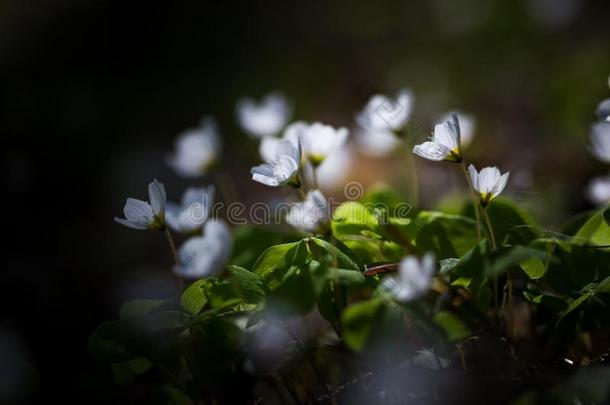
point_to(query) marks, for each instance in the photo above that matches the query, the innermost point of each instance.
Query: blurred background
(93, 94)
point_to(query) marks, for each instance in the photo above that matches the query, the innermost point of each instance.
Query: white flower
(382, 114)
(603, 110)
(377, 143)
(333, 172)
(319, 140)
(488, 183)
(445, 143)
(142, 215)
(599, 190)
(197, 149)
(413, 280)
(269, 144)
(600, 141)
(204, 256)
(311, 215)
(283, 169)
(468, 125)
(193, 210)
(265, 118)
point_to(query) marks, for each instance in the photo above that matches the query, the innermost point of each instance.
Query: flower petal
(432, 151)
(157, 196)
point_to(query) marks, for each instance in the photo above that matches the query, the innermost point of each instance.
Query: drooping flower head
(311, 215)
(193, 210)
(283, 169)
(413, 280)
(197, 150)
(488, 183)
(600, 141)
(599, 190)
(266, 118)
(204, 256)
(444, 143)
(146, 215)
(383, 114)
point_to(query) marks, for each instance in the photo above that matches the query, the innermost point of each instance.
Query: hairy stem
(172, 248)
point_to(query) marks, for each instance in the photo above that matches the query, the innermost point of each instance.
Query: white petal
(138, 211)
(266, 118)
(474, 177)
(467, 126)
(377, 143)
(157, 196)
(446, 135)
(600, 141)
(268, 148)
(432, 151)
(130, 224)
(488, 177)
(599, 190)
(603, 109)
(501, 184)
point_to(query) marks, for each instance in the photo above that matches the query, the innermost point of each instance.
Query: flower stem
(475, 202)
(314, 177)
(492, 238)
(172, 248)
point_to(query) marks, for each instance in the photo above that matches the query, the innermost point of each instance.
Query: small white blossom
(283, 169)
(377, 143)
(468, 125)
(333, 172)
(268, 145)
(444, 144)
(204, 256)
(193, 210)
(413, 280)
(311, 215)
(603, 110)
(197, 149)
(382, 114)
(600, 141)
(266, 118)
(599, 190)
(488, 183)
(319, 140)
(143, 215)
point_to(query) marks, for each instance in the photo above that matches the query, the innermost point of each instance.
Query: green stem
(492, 238)
(475, 202)
(490, 229)
(172, 248)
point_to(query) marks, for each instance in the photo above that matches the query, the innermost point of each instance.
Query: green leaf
(595, 231)
(193, 298)
(319, 247)
(167, 320)
(453, 326)
(351, 218)
(275, 262)
(110, 341)
(246, 285)
(515, 255)
(510, 223)
(445, 235)
(549, 301)
(249, 242)
(175, 396)
(359, 321)
(139, 307)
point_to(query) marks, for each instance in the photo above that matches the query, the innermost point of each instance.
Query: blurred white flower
(311, 215)
(600, 141)
(377, 143)
(143, 215)
(468, 124)
(414, 278)
(266, 118)
(269, 144)
(193, 210)
(197, 149)
(488, 183)
(444, 144)
(599, 190)
(382, 114)
(603, 110)
(333, 172)
(319, 140)
(204, 256)
(283, 169)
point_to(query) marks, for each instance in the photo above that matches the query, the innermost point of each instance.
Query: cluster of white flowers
(413, 279)
(599, 187)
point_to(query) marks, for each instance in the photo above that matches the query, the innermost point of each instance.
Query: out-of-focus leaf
(246, 285)
(175, 396)
(274, 263)
(111, 341)
(319, 247)
(445, 235)
(595, 231)
(351, 218)
(167, 320)
(249, 242)
(516, 255)
(454, 327)
(359, 320)
(511, 224)
(549, 301)
(139, 307)
(193, 298)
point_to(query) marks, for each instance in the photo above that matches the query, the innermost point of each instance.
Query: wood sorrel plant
(366, 306)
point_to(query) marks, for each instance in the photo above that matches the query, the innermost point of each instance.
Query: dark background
(93, 93)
